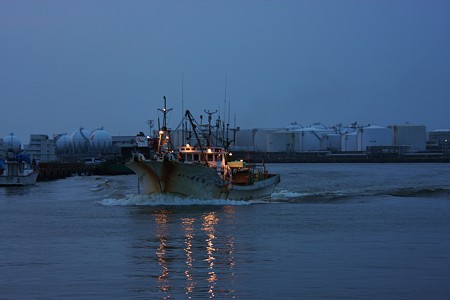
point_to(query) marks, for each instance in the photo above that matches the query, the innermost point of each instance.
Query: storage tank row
(321, 138)
(84, 141)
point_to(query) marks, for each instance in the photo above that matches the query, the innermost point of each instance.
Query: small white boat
(17, 171)
(200, 171)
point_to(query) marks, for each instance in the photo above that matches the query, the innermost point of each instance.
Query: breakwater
(59, 170)
(326, 157)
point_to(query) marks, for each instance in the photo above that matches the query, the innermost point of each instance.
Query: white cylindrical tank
(374, 136)
(349, 141)
(64, 144)
(414, 136)
(281, 141)
(100, 140)
(12, 143)
(308, 140)
(312, 138)
(293, 127)
(260, 139)
(244, 140)
(80, 140)
(331, 141)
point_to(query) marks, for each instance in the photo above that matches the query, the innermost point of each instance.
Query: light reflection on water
(188, 229)
(207, 254)
(209, 221)
(161, 234)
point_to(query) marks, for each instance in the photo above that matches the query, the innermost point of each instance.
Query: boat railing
(248, 174)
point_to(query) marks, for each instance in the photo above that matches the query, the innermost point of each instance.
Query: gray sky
(66, 64)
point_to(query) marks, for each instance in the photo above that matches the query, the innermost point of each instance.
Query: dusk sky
(66, 64)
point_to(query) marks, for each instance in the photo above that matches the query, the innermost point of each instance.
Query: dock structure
(57, 170)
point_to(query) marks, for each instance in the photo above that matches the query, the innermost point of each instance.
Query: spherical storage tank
(80, 140)
(64, 144)
(12, 142)
(100, 140)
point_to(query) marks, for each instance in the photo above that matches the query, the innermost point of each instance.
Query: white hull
(196, 181)
(19, 180)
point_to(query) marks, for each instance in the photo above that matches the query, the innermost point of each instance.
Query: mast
(164, 111)
(209, 113)
(190, 118)
(163, 132)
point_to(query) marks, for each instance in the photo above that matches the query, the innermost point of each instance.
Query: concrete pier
(56, 170)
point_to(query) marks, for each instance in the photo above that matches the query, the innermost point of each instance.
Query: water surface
(350, 231)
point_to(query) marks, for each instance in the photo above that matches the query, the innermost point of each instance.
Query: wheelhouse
(192, 154)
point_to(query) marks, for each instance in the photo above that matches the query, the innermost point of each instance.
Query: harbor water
(329, 231)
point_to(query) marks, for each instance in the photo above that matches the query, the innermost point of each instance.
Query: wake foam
(281, 196)
(167, 200)
(309, 197)
(285, 194)
(340, 196)
(420, 192)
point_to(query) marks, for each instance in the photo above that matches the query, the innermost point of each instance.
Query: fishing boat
(17, 170)
(201, 170)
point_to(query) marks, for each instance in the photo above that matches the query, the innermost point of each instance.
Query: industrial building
(440, 137)
(41, 148)
(413, 136)
(316, 139)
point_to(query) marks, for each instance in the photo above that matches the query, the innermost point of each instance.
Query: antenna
(225, 106)
(182, 109)
(182, 95)
(229, 111)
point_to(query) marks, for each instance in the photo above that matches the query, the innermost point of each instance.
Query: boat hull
(195, 181)
(19, 180)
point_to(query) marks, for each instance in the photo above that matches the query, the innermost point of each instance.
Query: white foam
(167, 200)
(285, 194)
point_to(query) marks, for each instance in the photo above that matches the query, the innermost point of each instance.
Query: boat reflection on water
(199, 242)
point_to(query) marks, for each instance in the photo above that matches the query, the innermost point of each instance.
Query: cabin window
(210, 157)
(188, 157)
(196, 157)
